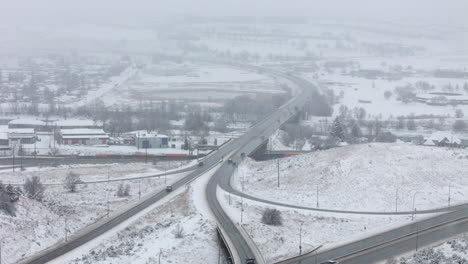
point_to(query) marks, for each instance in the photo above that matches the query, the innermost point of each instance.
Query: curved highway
(245, 144)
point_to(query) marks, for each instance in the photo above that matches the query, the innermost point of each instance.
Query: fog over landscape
(234, 132)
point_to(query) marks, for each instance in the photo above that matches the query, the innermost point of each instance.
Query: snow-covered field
(367, 177)
(39, 225)
(213, 83)
(372, 91)
(318, 229)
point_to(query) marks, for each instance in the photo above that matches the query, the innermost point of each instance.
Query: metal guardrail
(258, 254)
(226, 244)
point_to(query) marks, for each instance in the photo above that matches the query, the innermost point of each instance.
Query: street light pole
(160, 252)
(242, 209)
(317, 196)
(450, 185)
(414, 209)
(108, 180)
(139, 189)
(396, 200)
(417, 232)
(278, 174)
(300, 238)
(66, 230)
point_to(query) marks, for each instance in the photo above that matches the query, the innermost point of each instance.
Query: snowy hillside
(368, 177)
(38, 225)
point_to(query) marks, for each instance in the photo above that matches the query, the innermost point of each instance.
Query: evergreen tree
(337, 129)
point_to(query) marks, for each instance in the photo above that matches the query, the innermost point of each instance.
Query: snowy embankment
(367, 177)
(157, 233)
(318, 229)
(449, 252)
(39, 225)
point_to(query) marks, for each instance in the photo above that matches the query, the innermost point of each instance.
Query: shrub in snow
(272, 217)
(387, 137)
(123, 190)
(459, 126)
(179, 231)
(34, 189)
(5, 203)
(387, 94)
(71, 181)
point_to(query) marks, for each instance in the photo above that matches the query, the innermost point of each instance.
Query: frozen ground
(367, 177)
(40, 225)
(318, 229)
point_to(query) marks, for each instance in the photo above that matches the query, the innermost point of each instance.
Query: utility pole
(1, 242)
(278, 173)
(160, 252)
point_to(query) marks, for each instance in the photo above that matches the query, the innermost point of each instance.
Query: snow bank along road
(249, 142)
(394, 242)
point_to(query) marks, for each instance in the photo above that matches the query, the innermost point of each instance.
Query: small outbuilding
(150, 140)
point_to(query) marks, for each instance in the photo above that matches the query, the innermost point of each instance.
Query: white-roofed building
(37, 125)
(442, 138)
(83, 136)
(3, 139)
(77, 123)
(144, 139)
(21, 136)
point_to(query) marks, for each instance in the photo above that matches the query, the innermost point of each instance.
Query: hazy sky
(22, 10)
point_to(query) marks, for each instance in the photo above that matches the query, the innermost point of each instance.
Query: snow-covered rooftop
(25, 121)
(146, 134)
(82, 131)
(21, 131)
(3, 136)
(76, 122)
(442, 135)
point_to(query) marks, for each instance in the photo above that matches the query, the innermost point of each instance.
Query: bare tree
(34, 189)
(71, 181)
(123, 190)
